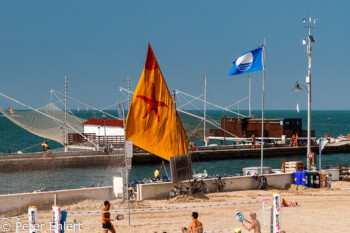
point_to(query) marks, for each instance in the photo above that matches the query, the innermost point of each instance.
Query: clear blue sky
(97, 44)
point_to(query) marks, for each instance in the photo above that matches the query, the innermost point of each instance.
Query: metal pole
(309, 104)
(250, 95)
(320, 156)
(65, 113)
(225, 130)
(126, 168)
(263, 212)
(128, 79)
(177, 132)
(205, 109)
(262, 114)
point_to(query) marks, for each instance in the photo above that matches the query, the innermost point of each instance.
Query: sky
(98, 44)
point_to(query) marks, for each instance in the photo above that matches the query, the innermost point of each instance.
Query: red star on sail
(153, 104)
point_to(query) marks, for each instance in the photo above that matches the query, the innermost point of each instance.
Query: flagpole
(205, 110)
(262, 113)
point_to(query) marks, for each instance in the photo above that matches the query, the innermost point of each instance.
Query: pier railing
(86, 139)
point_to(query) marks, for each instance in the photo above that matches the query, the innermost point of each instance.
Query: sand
(320, 210)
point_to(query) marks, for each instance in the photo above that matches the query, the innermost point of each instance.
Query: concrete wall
(45, 200)
(161, 190)
(30, 164)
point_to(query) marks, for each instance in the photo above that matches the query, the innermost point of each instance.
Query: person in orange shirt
(106, 219)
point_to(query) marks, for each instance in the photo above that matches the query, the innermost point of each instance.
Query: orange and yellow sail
(11, 111)
(152, 122)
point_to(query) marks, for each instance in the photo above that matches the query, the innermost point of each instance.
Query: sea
(14, 138)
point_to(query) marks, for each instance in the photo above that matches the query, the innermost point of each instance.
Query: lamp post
(308, 23)
(329, 126)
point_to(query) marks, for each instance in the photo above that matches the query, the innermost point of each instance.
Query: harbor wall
(161, 190)
(44, 200)
(34, 164)
(31, 162)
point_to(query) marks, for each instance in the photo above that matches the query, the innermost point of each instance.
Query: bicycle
(199, 187)
(178, 190)
(220, 184)
(259, 182)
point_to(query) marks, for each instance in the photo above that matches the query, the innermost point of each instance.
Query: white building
(104, 127)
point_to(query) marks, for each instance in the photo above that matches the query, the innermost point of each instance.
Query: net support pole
(17, 224)
(263, 212)
(276, 212)
(75, 223)
(65, 114)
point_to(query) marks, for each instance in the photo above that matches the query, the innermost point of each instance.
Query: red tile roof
(104, 122)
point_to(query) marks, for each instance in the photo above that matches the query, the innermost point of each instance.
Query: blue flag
(248, 62)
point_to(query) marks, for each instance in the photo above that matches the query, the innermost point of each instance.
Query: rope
(87, 105)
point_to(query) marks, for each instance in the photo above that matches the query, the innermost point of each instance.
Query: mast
(65, 113)
(205, 109)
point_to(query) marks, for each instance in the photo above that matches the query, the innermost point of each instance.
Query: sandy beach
(320, 210)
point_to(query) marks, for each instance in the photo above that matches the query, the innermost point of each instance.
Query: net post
(271, 219)
(263, 212)
(276, 212)
(17, 221)
(75, 223)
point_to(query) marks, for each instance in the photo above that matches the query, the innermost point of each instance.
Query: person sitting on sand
(285, 203)
(106, 219)
(195, 226)
(254, 223)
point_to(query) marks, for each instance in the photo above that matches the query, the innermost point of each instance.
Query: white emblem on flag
(244, 62)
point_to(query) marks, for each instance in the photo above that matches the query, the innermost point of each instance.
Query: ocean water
(14, 138)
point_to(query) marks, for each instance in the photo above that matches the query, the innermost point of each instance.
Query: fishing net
(47, 122)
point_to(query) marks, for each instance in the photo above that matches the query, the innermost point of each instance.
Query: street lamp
(309, 23)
